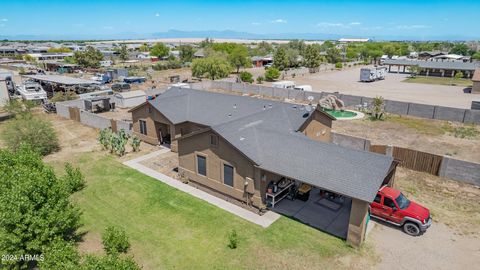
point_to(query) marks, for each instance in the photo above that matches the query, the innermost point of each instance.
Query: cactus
(105, 137)
(135, 144)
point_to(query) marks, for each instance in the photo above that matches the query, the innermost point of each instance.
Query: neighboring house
(476, 82)
(238, 146)
(200, 53)
(129, 99)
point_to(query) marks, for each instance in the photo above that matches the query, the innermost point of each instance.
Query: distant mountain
(227, 34)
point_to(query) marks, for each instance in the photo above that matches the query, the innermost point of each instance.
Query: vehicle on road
(391, 206)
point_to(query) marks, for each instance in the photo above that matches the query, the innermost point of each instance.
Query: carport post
(357, 224)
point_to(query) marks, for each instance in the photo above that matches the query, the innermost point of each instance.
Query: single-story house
(476, 82)
(262, 152)
(129, 99)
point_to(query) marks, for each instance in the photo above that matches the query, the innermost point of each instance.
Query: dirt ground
(453, 241)
(433, 136)
(347, 82)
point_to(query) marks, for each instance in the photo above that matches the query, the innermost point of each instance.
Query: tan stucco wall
(157, 121)
(189, 147)
(476, 87)
(356, 224)
(318, 127)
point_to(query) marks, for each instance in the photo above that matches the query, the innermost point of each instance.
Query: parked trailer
(367, 75)
(381, 72)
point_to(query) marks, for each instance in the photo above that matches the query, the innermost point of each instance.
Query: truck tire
(411, 228)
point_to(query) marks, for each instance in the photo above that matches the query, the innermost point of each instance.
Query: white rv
(284, 84)
(31, 91)
(305, 87)
(372, 74)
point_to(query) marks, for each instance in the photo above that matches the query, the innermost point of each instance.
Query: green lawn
(170, 229)
(440, 81)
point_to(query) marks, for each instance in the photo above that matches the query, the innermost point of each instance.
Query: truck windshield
(402, 201)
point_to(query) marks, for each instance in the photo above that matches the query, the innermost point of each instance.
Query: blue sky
(355, 18)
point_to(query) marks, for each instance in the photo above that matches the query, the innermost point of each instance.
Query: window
(202, 165)
(228, 175)
(213, 140)
(378, 198)
(388, 202)
(143, 127)
(402, 201)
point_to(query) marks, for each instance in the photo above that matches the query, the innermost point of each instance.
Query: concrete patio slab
(264, 220)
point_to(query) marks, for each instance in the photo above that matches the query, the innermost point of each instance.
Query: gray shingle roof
(266, 132)
(457, 65)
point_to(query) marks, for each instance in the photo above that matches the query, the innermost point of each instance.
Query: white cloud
(413, 26)
(157, 14)
(279, 21)
(355, 23)
(331, 25)
(4, 20)
(255, 23)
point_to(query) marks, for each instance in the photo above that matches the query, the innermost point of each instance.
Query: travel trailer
(284, 84)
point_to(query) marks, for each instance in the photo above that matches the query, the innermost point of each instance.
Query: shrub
(74, 179)
(378, 108)
(170, 64)
(233, 239)
(469, 132)
(338, 65)
(60, 255)
(36, 132)
(64, 96)
(246, 77)
(109, 262)
(260, 79)
(272, 74)
(115, 241)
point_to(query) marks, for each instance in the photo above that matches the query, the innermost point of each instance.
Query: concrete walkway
(265, 220)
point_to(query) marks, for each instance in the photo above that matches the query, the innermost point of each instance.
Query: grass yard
(169, 229)
(440, 81)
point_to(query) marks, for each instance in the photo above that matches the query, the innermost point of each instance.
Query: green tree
(280, 60)
(59, 50)
(476, 56)
(60, 255)
(91, 57)
(73, 178)
(389, 50)
(414, 70)
(375, 55)
(246, 77)
(144, 48)
(186, 53)
(123, 52)
(461, 49)
(293, 57)
(35, 207)
(272, 74)
(159, 50)
(312, 57)
(333, 55)
(115, 241)
(212, 67)
(239, 57)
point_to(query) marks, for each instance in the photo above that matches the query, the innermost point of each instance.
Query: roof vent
(229, 115)
(264, 107)
(294, 107)
(242, 138)
(270, 105)
(234, 106)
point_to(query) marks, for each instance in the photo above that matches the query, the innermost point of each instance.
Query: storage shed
(129, 99)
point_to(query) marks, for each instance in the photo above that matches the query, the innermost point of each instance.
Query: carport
(320, 184)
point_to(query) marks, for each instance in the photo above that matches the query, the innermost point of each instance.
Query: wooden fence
(412, 159)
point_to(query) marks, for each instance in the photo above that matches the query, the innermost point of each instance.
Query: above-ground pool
(345, 114)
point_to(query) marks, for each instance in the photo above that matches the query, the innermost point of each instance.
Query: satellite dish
(308, 108)
(310, 98)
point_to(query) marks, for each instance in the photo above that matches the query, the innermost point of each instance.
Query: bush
(36, 132)
(115, 241)
(260, 79)
(246, 77)
(109, 262)
(233, 239)
(60, 255)
(74, 179)
(272, 74)
(135, 144)
(64, 96)
(170, 64)
(338, 65)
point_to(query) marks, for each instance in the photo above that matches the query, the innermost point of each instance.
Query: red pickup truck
(391, 206)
